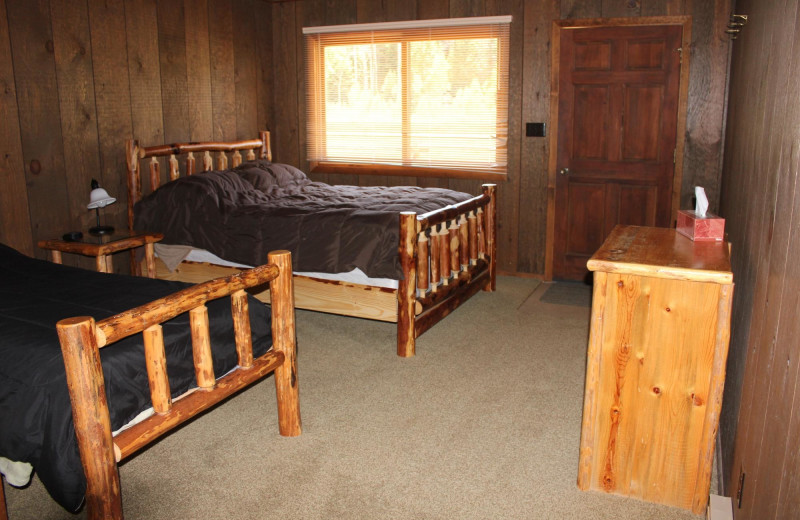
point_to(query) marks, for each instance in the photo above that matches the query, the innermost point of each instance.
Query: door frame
(683, 92)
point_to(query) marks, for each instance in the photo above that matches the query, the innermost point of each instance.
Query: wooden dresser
(655, 366)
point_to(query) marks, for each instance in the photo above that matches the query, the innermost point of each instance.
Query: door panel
(588, 122)
(617, 123)
(641, 128)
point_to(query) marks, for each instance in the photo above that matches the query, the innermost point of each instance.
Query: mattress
(242, 214)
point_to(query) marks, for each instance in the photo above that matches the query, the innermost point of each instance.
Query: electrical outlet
(535, 129)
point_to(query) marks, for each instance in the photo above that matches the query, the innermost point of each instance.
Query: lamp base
(101, 230)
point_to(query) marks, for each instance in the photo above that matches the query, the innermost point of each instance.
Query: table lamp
(99, 198)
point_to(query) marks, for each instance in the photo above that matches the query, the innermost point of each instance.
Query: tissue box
(710, 227)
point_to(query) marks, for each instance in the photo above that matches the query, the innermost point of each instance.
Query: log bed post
(407, 287)
(265, 152)
(491, 243)
(90, 413)
(3, 510)
(134, 182)
(284, 340)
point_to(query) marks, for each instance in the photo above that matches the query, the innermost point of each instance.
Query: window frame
(393, 31)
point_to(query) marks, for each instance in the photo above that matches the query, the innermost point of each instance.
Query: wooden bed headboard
(134, 154)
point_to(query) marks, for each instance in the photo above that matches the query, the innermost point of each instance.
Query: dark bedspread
(242, 214)
(35, 414)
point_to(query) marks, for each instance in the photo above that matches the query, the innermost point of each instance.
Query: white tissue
(701, 206)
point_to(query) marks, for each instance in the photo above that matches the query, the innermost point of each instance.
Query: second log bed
(446, 255)
(211, 348)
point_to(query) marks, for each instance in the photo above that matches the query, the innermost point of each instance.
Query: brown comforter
(242, 214)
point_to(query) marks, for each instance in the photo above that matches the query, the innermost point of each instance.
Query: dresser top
(662, 253)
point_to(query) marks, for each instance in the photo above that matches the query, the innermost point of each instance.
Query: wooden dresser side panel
(656, 360)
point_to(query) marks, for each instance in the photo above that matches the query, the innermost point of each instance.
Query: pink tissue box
(710, 227)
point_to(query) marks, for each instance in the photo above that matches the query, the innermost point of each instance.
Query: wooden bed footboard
(447, 256)
(82, 337)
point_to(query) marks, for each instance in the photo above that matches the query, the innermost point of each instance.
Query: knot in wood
(36, 167)
(620, 284)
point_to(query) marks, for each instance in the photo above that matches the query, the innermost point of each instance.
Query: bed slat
(472, 226)
(422, 262)
(240, 310)
(190, 163)
(201, 347)
(481, 235)
(463, 242)
(452, 233)
(155, 174)
(436, 276)
(444, 252)
(174, 169)
(156, 362)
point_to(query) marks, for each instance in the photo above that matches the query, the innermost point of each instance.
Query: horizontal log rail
(437, 216)
(139, 318)
(210, 146)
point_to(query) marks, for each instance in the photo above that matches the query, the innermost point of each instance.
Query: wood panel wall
(761, 202)
(79, 78)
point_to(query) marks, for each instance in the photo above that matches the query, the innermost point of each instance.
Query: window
(427, 97)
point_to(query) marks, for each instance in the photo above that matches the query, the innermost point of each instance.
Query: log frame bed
(446, 255)
(82, 338)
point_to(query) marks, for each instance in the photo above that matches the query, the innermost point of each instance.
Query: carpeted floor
(483, 423)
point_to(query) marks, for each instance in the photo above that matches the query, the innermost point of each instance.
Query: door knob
(564, 171)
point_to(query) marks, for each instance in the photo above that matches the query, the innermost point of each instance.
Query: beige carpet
(483, 423)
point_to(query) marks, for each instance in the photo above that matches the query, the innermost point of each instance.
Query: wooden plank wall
(761, 201)
(523, 196)
(79, 78)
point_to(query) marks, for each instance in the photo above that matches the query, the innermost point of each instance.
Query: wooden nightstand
(102, 247)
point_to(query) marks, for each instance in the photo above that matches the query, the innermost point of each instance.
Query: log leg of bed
(3, 510)
(406, 290)
(491, 244)
(284, 340)
(90, 414)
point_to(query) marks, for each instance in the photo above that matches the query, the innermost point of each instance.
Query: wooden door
(617, 124)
